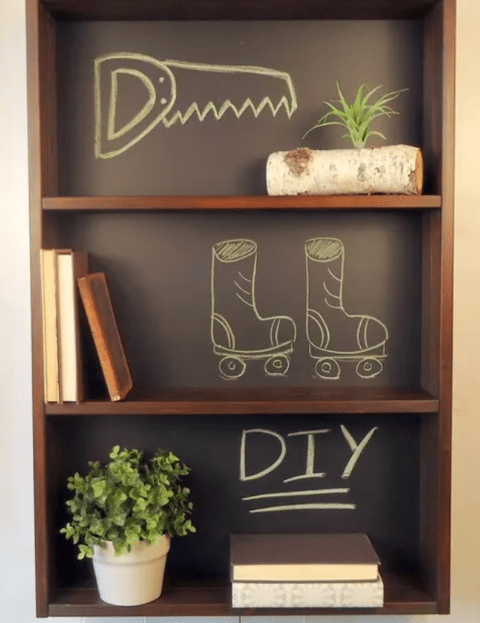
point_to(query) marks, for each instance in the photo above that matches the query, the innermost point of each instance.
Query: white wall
(16, 508)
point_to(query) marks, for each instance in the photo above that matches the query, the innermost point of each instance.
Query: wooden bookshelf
(125, 222)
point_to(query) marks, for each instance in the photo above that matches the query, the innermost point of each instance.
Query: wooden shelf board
(402, 596)
(259, 401)
(224, 202)
(238, 9)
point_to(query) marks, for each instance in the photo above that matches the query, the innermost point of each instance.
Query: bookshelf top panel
(238, 9)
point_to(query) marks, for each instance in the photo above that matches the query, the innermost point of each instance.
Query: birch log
(395, 169)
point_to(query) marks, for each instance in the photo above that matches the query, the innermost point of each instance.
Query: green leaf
(118, 518)
(140, 505)
(356, 117)
(128, 499)
(85, 551)
(357, 104)
(98, 487)
(377, 133)
(342, 99)
(368, 96)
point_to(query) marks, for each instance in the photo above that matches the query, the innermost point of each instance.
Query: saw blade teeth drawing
(175, 94)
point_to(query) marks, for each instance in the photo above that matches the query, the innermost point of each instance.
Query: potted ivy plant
(123, 516)
(393, 169)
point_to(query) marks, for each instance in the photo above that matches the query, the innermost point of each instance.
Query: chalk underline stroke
(280, 494)
(298, 507)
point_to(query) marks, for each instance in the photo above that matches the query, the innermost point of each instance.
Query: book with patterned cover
(308, 594)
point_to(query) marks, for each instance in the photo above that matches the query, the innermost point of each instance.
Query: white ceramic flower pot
(134, 578)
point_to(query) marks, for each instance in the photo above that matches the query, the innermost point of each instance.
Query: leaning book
(308, 594)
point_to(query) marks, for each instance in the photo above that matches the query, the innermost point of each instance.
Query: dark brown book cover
(99, 311)
(302, 557)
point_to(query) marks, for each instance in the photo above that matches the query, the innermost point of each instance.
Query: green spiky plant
(128, 500)
(358, 116)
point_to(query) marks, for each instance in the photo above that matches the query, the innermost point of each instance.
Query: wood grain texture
(100, 315)
(438, 300)
(178, 202)
(431, 286)
(239, 9)
(402, 596)
(48, 103)
(38, 41)
(433, 99)
(446, 340)
(258, 401)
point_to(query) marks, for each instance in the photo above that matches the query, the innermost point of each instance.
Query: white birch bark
(394, 169)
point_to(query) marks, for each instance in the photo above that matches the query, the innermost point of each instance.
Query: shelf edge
(224, 202)
(220, 407)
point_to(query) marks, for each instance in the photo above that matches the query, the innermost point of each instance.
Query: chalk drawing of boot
(334, 335)
(239, 333)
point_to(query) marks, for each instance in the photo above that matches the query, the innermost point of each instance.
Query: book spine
(51, 370)
(101, 343)
(80, 269)
(308, 594)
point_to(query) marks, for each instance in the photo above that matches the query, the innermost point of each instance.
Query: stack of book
(304, 571)
(66, 282)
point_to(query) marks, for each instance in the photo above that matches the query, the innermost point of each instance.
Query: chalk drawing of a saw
(160, 79)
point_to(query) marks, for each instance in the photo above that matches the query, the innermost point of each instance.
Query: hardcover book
(302, 557)
(51, 369)
(101, 318)
(308, 594)
(71, 265)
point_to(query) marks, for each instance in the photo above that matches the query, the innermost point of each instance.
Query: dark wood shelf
(259, 401)
(224, 202)
(237, 9)
(402, 596)
(409, 502)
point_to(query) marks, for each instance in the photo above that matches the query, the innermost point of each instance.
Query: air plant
(357, 117)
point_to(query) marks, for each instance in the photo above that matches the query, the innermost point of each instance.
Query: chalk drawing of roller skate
(238, 332)
(176, 91)
(334, 335)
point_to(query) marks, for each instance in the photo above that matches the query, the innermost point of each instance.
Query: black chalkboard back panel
(169, 67)
(164, 292)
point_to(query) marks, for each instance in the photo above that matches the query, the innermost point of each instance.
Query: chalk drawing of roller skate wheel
(277, 366)
(327, 369)
(239, 333)
(369, 367)
(232, 368)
